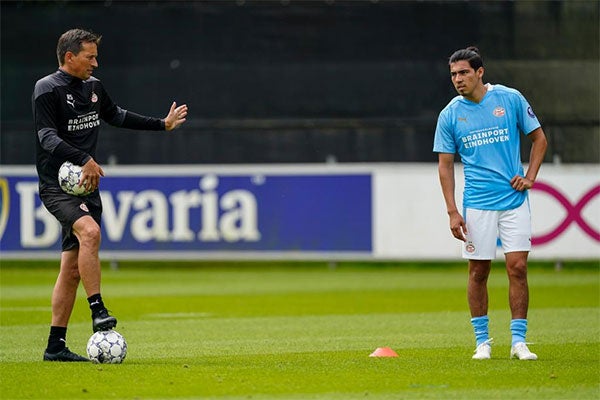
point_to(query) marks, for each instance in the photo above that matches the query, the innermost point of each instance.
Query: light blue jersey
(486, 135)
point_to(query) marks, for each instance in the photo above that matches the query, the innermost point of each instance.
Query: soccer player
(67, 108)
(483, 124)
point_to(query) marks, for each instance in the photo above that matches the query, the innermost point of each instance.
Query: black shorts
(67, 209)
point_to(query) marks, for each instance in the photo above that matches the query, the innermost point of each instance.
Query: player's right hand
(458, 227)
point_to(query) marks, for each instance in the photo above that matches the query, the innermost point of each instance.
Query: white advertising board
(411, 221)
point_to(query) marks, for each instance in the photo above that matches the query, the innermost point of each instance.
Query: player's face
(82, 64)
(465, 78)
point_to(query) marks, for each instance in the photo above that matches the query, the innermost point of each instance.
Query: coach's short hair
(71, 41)
(470, 54)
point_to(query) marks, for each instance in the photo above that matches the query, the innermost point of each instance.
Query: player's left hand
(520, 183)
(176, 116)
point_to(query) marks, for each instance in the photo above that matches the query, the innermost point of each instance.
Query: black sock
(96, 303)
(57, 340)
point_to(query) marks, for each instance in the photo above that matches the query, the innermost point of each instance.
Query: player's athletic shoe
(483, 351)
(521, 352)
(64, 355)
(103, 321)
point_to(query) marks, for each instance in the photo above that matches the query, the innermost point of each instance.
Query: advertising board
(301, 211)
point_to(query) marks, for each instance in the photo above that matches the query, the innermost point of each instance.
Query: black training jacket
(67, 113)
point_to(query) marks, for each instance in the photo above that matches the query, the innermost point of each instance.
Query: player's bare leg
(518, 289)
(477, 293)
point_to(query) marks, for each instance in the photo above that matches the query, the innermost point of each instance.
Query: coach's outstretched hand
(176, 116)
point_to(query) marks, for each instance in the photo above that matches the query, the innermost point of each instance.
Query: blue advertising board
(208, 212)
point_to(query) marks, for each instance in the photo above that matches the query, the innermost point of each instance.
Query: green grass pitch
(303, 330)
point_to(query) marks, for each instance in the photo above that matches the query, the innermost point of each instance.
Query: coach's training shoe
(64, 355)
(483, 351)
(521, 352)
(103, 321)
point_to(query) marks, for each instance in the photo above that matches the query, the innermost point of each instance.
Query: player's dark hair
(71, 41)
(470, 54)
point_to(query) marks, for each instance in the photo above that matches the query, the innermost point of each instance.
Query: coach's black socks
(96, 303)
(57, 340)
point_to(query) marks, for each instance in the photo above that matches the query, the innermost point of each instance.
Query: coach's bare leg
(65, 288)
(518, 289)
(88, 233)
(477, 293)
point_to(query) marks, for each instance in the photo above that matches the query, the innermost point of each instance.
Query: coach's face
(82, 64)
(465, 78)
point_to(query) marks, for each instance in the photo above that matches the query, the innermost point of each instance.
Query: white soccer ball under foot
(69, 175)
(107, 347)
